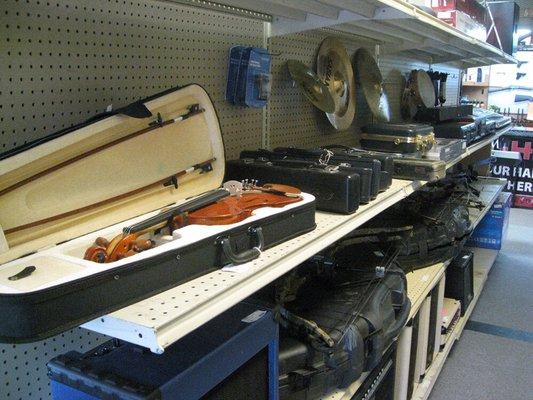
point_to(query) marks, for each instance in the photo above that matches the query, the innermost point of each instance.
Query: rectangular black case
(86, 289)
(434, 115)
(361, 318)
(368, 180)
(459, 282)
(343, 154)
(397, 138)
(328, 157)
(334, 190)
(468, 131)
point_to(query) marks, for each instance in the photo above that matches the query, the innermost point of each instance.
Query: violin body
(226, 211)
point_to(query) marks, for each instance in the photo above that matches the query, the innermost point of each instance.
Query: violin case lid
(100, 173)
(58, 194)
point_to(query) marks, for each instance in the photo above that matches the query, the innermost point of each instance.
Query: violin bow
(172, 180)
(192, 110)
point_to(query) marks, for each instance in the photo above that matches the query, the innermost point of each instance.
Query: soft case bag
(59, 194)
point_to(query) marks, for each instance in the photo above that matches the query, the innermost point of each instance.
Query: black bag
(428, 227)
(338, 326)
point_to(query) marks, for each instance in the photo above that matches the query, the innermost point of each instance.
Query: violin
(224, 210)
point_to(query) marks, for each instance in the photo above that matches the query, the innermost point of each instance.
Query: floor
(493, 359)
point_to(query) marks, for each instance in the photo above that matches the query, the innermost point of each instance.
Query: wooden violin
(224, 210)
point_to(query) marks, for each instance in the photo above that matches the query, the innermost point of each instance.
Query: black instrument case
(361, 315)
(397, 138)
(59, 194)
(369, 170)
(336, 190)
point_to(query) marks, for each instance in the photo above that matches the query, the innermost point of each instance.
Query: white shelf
(161, 320)
(397, 25)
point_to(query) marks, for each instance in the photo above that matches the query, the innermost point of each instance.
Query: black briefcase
(397, 138)
(96, 182)
(335, 189)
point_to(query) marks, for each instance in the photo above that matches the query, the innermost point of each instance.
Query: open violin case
(99, 180)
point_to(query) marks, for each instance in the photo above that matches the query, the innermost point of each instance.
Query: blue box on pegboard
(491, 231)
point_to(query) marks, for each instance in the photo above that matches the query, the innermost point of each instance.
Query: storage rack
(161, 320)
(399, 26)
(400, 30)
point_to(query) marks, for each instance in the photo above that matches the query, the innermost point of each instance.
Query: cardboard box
(491, 231)
(464, 23)
(469, 7)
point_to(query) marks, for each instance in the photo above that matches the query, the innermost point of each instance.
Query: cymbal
(371, 81)
(335, 70)
(423, 89)
(311, 86)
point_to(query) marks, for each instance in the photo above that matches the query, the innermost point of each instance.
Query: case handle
(246, 255)
(396, 327)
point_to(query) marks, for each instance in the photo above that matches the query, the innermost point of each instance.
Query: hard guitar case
(361, 316)
(59, 194)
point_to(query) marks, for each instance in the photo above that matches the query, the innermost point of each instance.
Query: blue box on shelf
(491, 231)
(235, 356)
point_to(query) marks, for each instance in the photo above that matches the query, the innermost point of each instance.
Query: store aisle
(492, 360)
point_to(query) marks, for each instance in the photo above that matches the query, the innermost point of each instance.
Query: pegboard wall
(66, 60)
(23, 372)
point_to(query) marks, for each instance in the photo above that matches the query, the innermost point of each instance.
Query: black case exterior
(334, 191)
(359, 163)
(458, 130)
(34, 316)
(308, 372)
(445, 113)
(409, 131)
(343, 154)
(459, 282)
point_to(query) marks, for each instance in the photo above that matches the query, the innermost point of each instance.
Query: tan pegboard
(65, 61)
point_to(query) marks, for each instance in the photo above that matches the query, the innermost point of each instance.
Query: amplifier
(460, 279)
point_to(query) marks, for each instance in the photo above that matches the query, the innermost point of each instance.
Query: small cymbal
(335, 70)
(311, 86)
(371, 81)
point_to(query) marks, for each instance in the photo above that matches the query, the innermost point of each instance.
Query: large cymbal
(371, 81)
(311, 86)
(335, 70)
